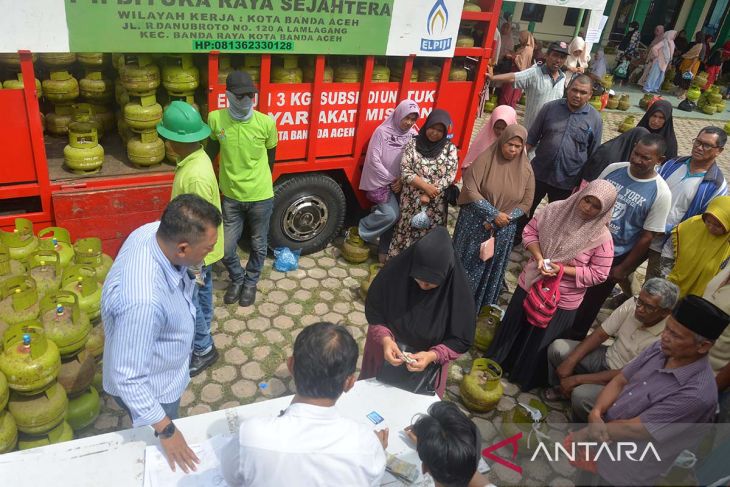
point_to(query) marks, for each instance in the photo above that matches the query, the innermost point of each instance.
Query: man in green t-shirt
(246, 140)
(183, 128)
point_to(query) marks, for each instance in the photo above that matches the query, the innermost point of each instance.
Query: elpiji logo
(438, 19)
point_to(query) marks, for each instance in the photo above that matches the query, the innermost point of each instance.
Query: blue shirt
(641, 204)
(149, 322)
(563, 141)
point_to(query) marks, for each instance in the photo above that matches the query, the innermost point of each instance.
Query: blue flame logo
(437, 18)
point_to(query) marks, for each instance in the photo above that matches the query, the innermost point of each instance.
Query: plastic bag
(286, 259)
(421, 220)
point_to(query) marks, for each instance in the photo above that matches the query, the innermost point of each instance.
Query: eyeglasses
(642, 304)
(704, 145)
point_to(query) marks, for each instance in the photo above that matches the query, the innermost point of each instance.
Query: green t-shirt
(195, 175)
(244, 164)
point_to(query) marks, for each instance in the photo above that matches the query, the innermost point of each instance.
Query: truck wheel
(309, 211)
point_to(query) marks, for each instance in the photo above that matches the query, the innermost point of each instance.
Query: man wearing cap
(246, 140)
(183, 130)
(542, 83)
(660, 397)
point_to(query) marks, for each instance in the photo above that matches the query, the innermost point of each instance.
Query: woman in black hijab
(658, 120)
(421, 299)
(428, 167)
(615, 150)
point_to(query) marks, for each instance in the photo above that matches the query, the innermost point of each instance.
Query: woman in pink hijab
(659, 57)
(502, 116)
(658, 37)
(381, 174)
(574, 235)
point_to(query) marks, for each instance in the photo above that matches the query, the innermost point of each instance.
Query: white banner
(424, 28)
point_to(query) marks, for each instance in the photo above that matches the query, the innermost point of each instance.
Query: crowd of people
(611, 207)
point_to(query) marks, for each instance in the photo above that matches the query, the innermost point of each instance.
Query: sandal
(552, 394)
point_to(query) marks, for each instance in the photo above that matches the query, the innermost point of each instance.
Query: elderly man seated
(309, 443)
(579, 370)
(659, 401)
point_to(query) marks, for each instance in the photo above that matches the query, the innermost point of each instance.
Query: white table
(117, 459)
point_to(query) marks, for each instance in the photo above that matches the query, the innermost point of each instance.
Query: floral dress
(441, 172)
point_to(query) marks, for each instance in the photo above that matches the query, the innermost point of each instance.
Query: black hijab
(424, 146)
(615, 150)
(667, 131)
(418, 318)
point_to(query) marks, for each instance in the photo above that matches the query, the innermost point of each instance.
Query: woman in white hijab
(578, 58)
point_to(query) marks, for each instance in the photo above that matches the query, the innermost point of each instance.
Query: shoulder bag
(542, 300)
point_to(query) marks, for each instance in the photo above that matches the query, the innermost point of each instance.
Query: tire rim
(305, 218)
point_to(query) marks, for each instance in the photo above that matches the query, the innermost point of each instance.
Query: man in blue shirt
(149, 318)
(564, 135)
(640, 213)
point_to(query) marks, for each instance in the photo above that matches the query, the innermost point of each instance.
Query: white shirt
(308, 446)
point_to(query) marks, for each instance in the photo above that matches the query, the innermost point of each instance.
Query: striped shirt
(591, 268)
(149, 322)
(540, 88)
(669, 403)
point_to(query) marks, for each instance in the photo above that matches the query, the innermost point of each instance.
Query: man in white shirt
(309, 443)
(579, 370)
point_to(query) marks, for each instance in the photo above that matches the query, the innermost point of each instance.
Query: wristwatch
(167, 432)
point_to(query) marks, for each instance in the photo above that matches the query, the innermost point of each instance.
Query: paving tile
(225, 375)
(244, 389)
(317, 273)
(307, 262)
(211, 393)
(199, 409)
(234, 325)
(337, 273)
(283, 322)
(187, 398)
(261, 323)
(246, 339)
(106, 421)
(252, 371)
(235, 356)
(287, 284)
(326, 295)
(293, 309)
(275, 336)
(309, 283)
(265, 285)
(278, 297)
(302, 295)
(261, 352)
(222, 341)
(357, 318)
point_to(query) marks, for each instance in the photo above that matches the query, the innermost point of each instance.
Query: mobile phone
(375, 418)
(546, 265)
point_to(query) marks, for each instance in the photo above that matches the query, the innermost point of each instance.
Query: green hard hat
(182, 123)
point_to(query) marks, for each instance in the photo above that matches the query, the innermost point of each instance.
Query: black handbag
(425, 382)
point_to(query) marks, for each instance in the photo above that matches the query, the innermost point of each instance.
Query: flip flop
(552, 394)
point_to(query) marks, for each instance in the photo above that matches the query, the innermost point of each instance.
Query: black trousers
(592, 301)
(541, 189)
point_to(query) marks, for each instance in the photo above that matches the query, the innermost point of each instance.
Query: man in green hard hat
(183, 129)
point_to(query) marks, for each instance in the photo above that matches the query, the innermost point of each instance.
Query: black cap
(701, 316)
(240, 82)
(560, 47)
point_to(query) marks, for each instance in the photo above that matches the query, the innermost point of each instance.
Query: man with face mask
(246, 140)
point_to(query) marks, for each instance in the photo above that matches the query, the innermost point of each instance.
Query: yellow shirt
(195, 175)
(631, 337)
(244, 163)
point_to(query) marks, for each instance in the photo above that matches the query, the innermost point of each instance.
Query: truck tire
(309, 211)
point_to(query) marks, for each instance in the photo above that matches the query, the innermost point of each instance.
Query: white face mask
(239, 109)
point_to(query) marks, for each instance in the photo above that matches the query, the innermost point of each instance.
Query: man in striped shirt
(661, 397)
(149, 318)
(542, 83)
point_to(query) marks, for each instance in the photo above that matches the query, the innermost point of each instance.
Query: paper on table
(157, 471)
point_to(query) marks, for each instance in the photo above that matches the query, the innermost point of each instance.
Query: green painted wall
(694, 16)
(640, 11)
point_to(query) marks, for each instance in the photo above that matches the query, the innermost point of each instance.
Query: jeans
(237, 214)
(382, 218)
(172, 409)
(203, 301)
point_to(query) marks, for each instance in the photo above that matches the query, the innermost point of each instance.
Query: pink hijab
(486, 135)
(382, 161)
(563, 233)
